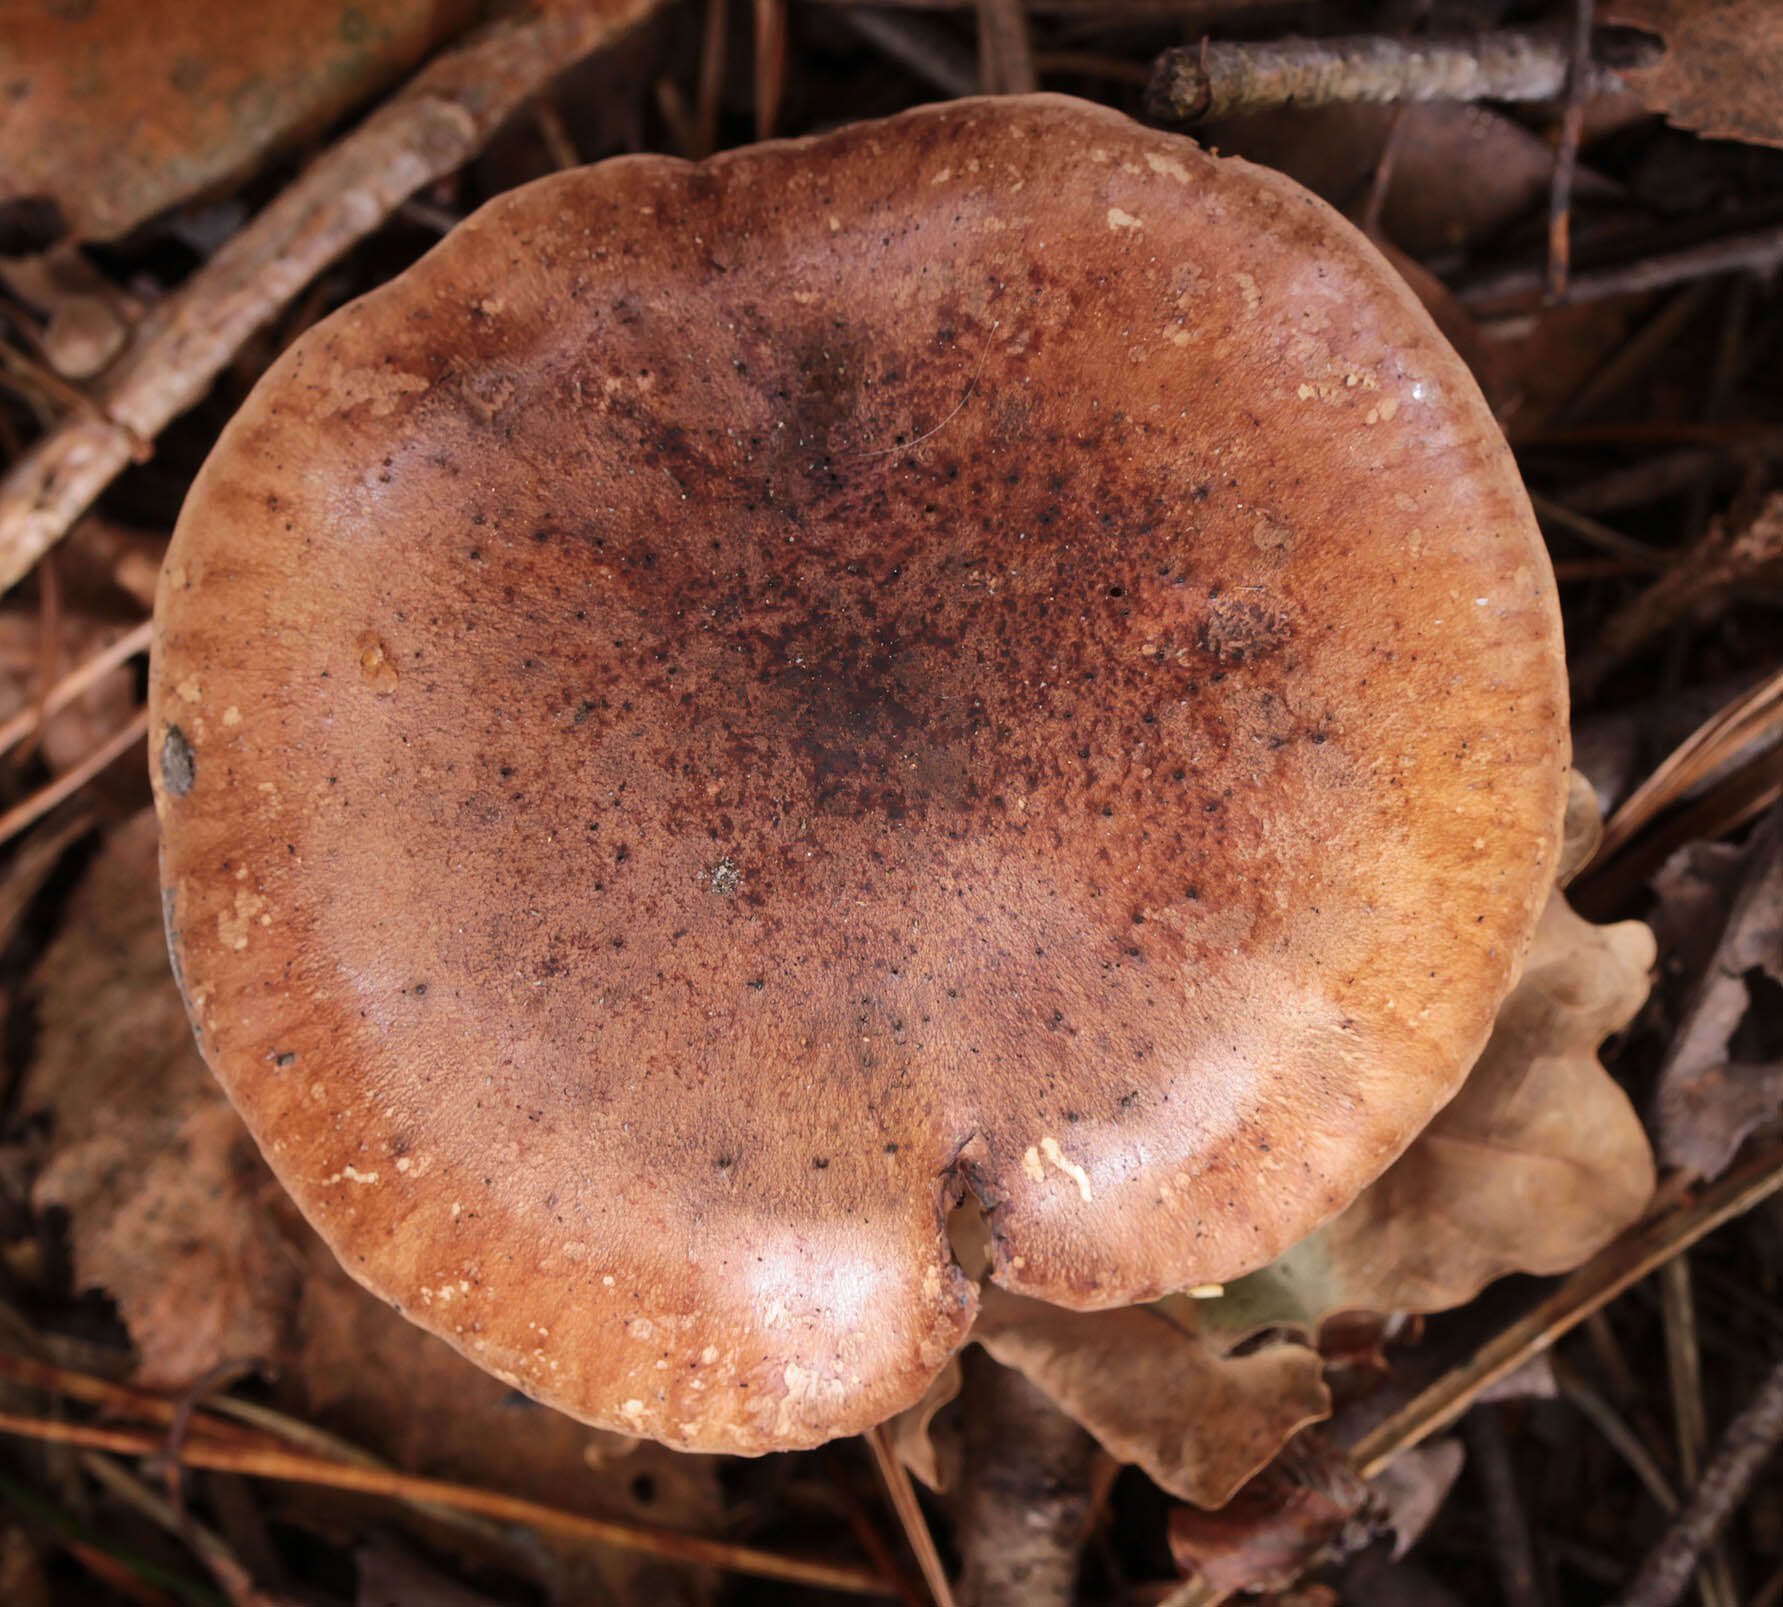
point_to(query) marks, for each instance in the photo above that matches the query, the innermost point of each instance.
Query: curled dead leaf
(1306, 1507)
(1199, 1423)
(1722, 71)
(1710, 1094)
(913, 1430)
(164, 1191)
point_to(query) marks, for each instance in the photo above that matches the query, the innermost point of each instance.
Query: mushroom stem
(1024, 1507)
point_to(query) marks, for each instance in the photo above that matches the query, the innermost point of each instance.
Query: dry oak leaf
(165, 1192)
(1538, 1162)
(1200, 1424)
(1719, 1079)
(115, 109)
(1308, 1507)
(1722, 71)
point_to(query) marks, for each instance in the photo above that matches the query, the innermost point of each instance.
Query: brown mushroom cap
(732, 703)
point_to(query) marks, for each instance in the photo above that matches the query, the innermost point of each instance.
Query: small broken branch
(429, 129)
(289, 1467)
(65, 786)
(1757, 251)
(1674, 1226)
(1566, 158)
(1731, 556)
(1747, 1445)
(1198, 83)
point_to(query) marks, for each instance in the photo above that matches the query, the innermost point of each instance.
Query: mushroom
(734, 706)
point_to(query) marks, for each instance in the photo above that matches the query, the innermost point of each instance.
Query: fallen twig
(1198, 83)
(1489, 1447)
(259, 1462)
(1566, 157)
(1732, 554)
(432, 127)
(40, 803)
(1005, 53)
(1669, 1231)
(1757, 251)
(902, 1494)
(1746, 719)
(1745, 1447)
(75, 682)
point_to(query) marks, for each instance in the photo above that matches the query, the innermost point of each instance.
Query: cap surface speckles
(988, 650)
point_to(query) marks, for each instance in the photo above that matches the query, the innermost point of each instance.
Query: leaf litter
(1646, 417)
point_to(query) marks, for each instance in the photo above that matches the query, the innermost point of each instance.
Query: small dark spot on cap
(179, 765)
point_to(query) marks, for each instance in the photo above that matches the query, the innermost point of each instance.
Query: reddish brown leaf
(166, 1194)
(1722, 71)
(1289, 1517)
(1200, 1424)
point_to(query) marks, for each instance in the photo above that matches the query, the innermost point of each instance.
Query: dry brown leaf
(1695, 888)
(1545, 356)
(173, 1213)
(913, 1429)
(1722, 70)
(1306, 1507)
(1460, 172)
(1710, 1097)
(116, 109)
(162, 1185)
(1200, 1424)
(390, 1575)
(1413, 1488)
(1538, 1161)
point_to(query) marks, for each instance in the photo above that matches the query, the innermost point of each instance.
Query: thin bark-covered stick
(1758, 251)
(1005, 55)
(40, 803)
(429, 129)
(1198, 83)
(1566, 158)
(1489, 1448)
(1023, 1514)
(1744, 1449)
(288, 1467)
(714, 51)
(770, 65)
(1676, 1224)
(902, 1495)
